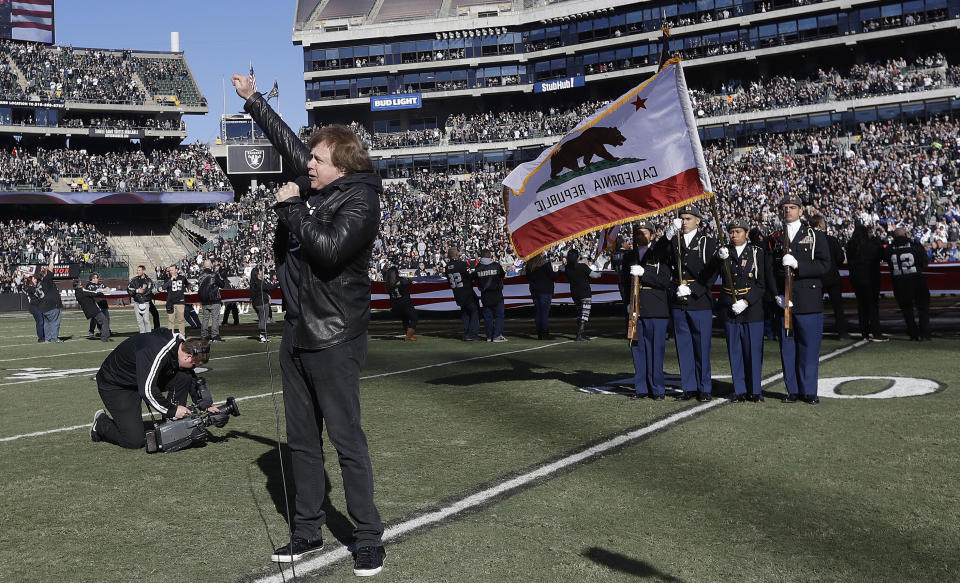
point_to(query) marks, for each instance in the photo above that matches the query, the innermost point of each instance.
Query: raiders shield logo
(254, 158)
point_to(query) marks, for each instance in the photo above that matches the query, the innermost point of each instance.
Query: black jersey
(458, 275)
(176, 289)
(906, 258)
(489, 277)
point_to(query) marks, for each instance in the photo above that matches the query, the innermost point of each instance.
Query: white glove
(677, 223)
(669, 233)
(782, 302)
(790, 261)
(636, 270)
(739, 306)
(683, 291)
(723, 253)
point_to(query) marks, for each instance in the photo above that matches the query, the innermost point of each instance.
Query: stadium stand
(346, 8)
(408, 10)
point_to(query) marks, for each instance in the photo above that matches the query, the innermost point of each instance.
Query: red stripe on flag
(32, 25)
(40, 13)
(606, 208)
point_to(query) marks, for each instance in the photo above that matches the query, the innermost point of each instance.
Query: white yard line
(61, 429)
(482, 497)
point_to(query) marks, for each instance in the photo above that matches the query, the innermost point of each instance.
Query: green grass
(850, 490)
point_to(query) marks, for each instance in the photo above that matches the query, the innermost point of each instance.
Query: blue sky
(219, 38)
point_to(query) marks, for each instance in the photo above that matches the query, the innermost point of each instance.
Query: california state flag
(637, 157)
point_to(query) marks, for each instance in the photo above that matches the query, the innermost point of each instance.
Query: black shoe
(637, 396)
(879, 338)
(368, 561)
(658, 397)
(94, 436)
(755, 398)
(735, 398)
(790, 399)
(687, 395)
(217, 339)
(704, 397)
(107, 340)
(299, 547)
(812, 400)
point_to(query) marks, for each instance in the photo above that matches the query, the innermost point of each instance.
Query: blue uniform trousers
(693, 329)
(648, 356)
(800, 354)
(745, 347)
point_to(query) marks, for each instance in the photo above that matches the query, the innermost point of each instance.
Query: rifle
(787, 284)
(633, 332)
(726, 262)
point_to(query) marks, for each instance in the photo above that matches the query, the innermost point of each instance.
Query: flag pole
(726, 262)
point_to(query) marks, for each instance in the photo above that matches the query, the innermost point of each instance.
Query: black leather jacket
(336, 227)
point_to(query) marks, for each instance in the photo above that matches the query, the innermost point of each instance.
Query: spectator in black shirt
(489, 277)
(30, 289)
(863, 253)
(400, 303)
(541, 276)
(578, 276)
(831, 279)
(461, 282)
(260, 290)
(176, 287)
(50, 304)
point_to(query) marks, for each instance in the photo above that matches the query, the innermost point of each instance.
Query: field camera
(176, 434)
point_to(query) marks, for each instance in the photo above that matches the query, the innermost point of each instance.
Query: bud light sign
(402, 101)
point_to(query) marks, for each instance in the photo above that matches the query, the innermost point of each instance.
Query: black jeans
(228, 309)
(323, 386)
(868, 307)
(263, 314)
(836, 301)
(126, 426)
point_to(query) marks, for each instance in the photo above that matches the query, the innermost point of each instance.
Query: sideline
(485, 496)
(248, 397)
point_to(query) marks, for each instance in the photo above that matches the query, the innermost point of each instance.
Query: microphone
(303, 183)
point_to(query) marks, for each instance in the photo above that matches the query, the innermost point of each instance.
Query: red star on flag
(640, 103)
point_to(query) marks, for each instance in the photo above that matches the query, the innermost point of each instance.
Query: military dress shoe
(638, 396)
(792, 398)
(737, 398)
(687, 395)
(813, 400)
(704, 397)
(658, 397)
(755, 398)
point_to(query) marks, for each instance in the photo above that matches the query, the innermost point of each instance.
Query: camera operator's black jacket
(334, 231)
(147, 363)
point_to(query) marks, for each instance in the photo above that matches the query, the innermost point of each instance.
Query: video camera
(176, 434)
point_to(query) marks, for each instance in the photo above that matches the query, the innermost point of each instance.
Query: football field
(519, 461)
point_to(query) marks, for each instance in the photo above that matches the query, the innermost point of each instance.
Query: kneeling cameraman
(143, 367)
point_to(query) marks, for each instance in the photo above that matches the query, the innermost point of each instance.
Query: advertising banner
(253, 159)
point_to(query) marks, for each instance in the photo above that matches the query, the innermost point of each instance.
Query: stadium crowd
(890, 174)
(891, 76)
(66, 73)
(33, 241)
(190, 168)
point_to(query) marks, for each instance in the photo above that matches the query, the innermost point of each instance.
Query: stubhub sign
(402, 101)
(558, 85)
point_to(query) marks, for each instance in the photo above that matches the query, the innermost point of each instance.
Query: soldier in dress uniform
(809, 259)
(742, 297)
(693, 261)
(648, 262)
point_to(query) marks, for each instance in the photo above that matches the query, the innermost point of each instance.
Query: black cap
(738, 224)
(647, 225)
(791, 199)
(692, 209)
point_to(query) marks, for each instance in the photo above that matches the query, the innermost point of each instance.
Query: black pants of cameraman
(323, 386)
(125, 426)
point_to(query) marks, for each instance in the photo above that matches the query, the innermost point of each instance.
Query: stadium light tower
(174, 42)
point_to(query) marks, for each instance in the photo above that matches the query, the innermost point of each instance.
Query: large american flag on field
(27, 20)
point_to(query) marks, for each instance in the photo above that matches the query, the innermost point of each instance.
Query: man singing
(323, 243)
